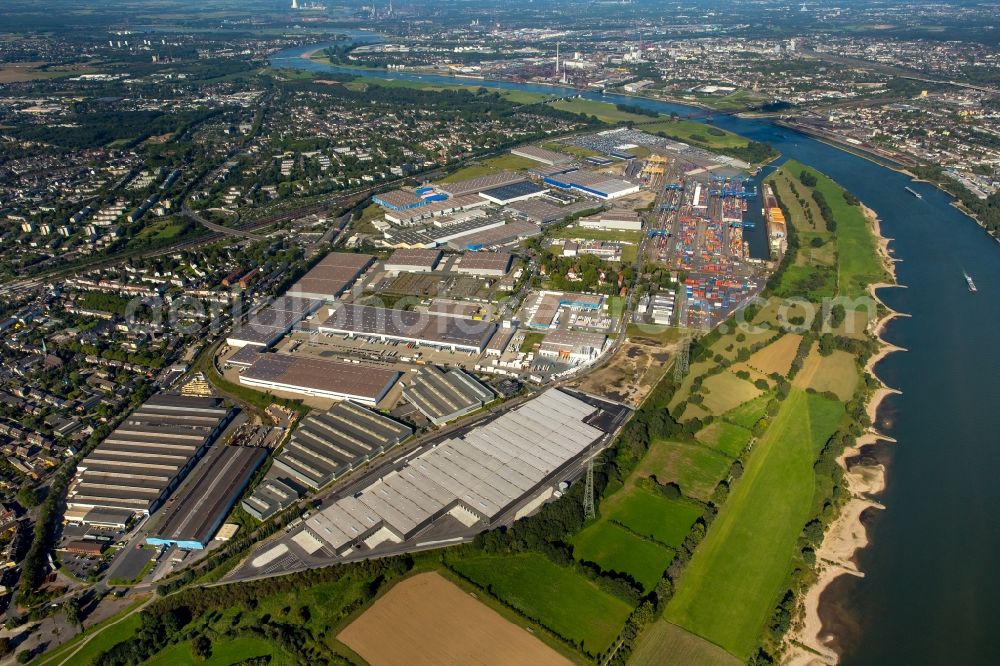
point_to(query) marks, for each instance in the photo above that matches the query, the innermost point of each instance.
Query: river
(931, 594)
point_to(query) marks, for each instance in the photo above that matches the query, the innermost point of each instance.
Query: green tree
(28, 496)
(74, 613)
(201, 647)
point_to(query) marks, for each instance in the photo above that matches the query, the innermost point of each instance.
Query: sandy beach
(806, 644)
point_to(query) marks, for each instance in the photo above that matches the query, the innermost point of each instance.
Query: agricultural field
(650, 515)
(20, 72)
(558, 598)
(505, 162)
(785, 183)
(699, 133)
(695, 468)
(747, 414)
(428, 620)
(777, 356)
(235, 651)
(665, 644)
(730, 344)
(725, 391)
(735, 101)
(733, 581)
(727, 438)
(654, 334)
(604, 112)
(837, 373)
(858, 262)
(614, 548)
(569, 149)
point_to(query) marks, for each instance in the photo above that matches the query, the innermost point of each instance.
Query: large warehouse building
(618, 220)
(332, 276)
(192, 517)
(544, 212)
(481, 183)
(485, 264)
(445, 396)
(572, 346)
(399, 200)
(422, 328)
(412, 261)
(412, 216)
(134, 469)
(270, 496)
(593, 183)
(543, 155)
(264, 328)
(319, 378)
(508, 194)
(482, 474)
(326, 446)
(434, 236)
(499, 236)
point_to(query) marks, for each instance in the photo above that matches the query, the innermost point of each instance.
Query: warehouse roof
(476, 185)
(415, 259)
(543, 211)
(326, 445)
(444, 396)
(435, 208)
(512, 192)
(136, 465)
(497, 236)
(484, 261)
(332, 377)
(416, 326)
(431, 236)
(270, 496)
(399, 199)
(203, 501)
(577, 342)
(244, 356)
(486, 470)
(330, 277)
(444, 307)
(542, 155)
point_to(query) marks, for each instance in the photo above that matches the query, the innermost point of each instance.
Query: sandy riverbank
(807, 645)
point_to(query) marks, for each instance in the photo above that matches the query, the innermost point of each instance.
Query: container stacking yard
(480, 474)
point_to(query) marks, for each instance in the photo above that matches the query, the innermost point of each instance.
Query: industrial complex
(468, 335)
(478, 475)
(328, 445)
(193, 515)
(268, 325)
(301, 375)
(331, 276)
(138, 465)
(445, 396)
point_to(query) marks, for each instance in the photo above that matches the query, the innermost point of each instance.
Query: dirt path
(88, 638)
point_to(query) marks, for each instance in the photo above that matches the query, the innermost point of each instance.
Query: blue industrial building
(399, 200)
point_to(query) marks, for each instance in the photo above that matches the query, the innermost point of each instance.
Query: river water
(931, 592)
